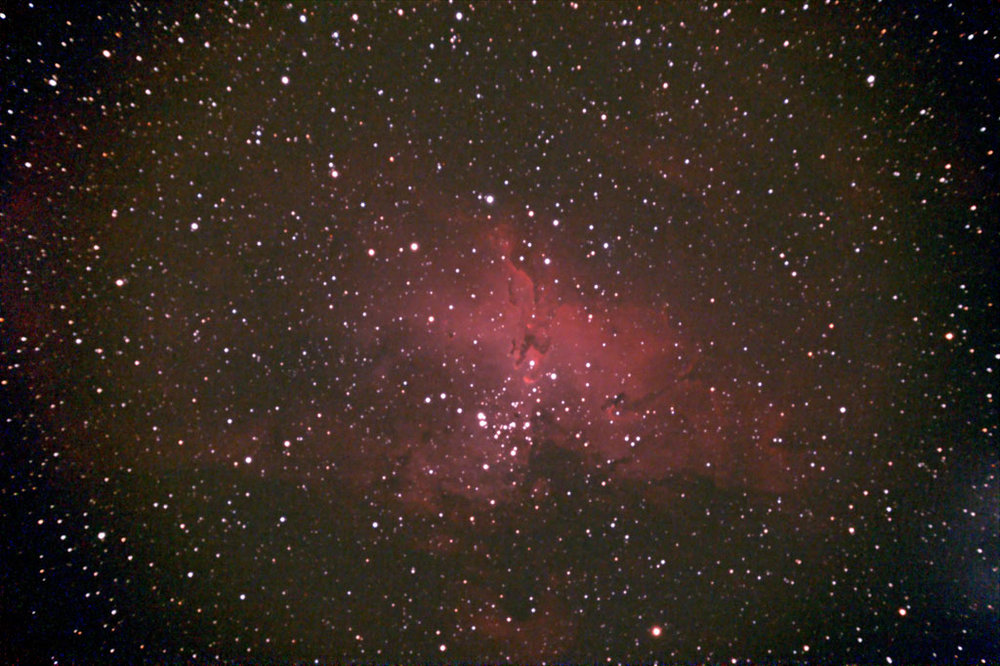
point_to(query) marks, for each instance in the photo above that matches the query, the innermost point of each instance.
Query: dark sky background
(499, 332)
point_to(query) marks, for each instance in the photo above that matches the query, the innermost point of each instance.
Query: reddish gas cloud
(513, 361)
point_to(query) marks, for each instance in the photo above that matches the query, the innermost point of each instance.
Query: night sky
(499, 332)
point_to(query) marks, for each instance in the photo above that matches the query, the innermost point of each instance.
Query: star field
(499, 332)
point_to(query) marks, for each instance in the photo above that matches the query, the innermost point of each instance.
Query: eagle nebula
(499, 332)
